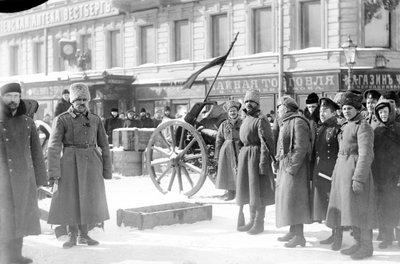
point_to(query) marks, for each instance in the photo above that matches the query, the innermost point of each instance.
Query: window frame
(390, 31)
(174, 57)
(299, 28)
(14, 64)
(110, 49)
(38, 57)
(252, 28)
(140, 41)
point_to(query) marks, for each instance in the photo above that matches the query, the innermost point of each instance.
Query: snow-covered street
(215, 241)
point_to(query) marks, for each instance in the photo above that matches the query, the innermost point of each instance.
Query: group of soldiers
(336, 161)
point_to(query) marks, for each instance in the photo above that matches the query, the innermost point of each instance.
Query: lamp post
(349, 50)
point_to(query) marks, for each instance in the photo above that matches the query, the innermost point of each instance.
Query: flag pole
(220, 68)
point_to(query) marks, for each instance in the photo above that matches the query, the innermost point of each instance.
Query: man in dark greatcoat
(255, 184)
(326, 148)
(78, 175)
(111, 123)
(22, 171)
(63, 104)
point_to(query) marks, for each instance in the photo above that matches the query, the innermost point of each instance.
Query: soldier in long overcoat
(79, 173)
(22, 171)
(294, 147)
(385, 169)
(326, 148)
(227, 149)
(352, 199)
(255, 184)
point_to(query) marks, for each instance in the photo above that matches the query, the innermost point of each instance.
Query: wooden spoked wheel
(177, 158)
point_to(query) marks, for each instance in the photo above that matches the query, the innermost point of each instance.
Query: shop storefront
(154, 97)
(378, 79)
(106, 91)
(298, 84)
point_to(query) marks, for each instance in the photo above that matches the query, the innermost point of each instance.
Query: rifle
(240, 220)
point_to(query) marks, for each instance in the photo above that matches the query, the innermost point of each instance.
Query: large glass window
(310, 24)
(147, 45)
(182, 40)
(262, 30)
(86, 48)
(376, 27)
(38, 57)
(14, 60)
(219, 38)
(115, 49)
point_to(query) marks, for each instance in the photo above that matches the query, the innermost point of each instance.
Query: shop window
(262, 30)
(182, 40)
(115, 49)
(219, 40)
(38, 57)
(310, 24)
(58, 60)
(147, 45)
(85, 47)
(14, 60)
(376, 27)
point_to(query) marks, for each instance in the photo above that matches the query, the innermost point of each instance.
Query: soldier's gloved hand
(358, 187)
(52, 181)
(41, 193)
(275, 167)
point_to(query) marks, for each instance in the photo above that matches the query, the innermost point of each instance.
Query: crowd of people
(335, 162)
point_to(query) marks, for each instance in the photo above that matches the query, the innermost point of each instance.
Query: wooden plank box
(164, 214)
(134, 139)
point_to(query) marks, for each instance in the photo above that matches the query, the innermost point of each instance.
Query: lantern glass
(349, 49)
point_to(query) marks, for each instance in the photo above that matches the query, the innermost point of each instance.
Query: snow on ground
(208, 242)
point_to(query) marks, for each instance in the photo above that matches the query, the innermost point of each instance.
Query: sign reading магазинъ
(293, 82)
(372, 79)
(60, 15)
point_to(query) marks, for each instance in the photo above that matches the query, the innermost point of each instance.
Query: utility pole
(280, 56)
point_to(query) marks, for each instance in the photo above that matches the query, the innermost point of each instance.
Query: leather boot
(250, 224)
(337, 239)
(355, 247)
(230, 195)
(387, 237)
(329, 240)
(366, 249)
(84, 238)
(258, 226)
(240, 220)
(298, 239)
(16, 252)
(288, 236)
(72, 234)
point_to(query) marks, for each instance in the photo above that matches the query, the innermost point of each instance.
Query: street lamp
(349, 49)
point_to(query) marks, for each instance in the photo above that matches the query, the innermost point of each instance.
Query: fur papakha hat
(350, 98)
(252, 95)
(10, 88)
(312, 98)
(228, 105)
(78, 91)
(289, 102)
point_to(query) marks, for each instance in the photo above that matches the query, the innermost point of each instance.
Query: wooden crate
(127, 163)
(164, 214)
(132, 139)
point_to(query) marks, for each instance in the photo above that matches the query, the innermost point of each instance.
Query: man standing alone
(22, 170)
(80, 200)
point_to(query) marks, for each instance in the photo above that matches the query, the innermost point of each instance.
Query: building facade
(137, 54)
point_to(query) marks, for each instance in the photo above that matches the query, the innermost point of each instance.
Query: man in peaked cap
(326, 150)
(371, 97)
(79, 199)
(255, 184)
(22, 172)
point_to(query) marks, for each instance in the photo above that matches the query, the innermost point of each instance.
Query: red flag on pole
(217, 61)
